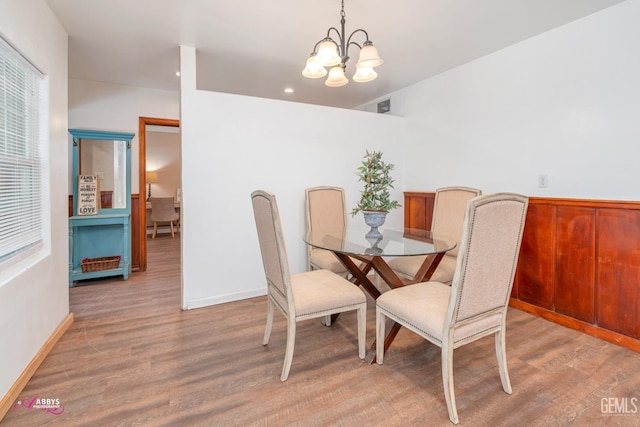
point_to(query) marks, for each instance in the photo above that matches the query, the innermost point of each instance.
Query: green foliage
(376, 176)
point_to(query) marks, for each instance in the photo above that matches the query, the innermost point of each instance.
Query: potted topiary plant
(375, 199)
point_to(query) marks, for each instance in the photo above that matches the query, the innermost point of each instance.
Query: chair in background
(163, 210)
(475, 305)
(302, 296)
(325, 213)
(448, 214)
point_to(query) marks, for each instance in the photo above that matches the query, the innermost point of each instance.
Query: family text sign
(88, 195)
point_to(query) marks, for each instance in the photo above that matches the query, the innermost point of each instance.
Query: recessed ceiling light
(288, 90)
(178, 73)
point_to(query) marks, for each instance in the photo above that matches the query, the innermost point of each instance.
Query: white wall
(232, 145)
(34, 294)
(107, 106)
(565, 104)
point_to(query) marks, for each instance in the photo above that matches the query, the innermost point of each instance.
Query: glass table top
(355, 240)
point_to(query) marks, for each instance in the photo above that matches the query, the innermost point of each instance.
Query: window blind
(20, 154)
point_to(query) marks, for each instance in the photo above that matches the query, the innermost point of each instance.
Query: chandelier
(334, 54)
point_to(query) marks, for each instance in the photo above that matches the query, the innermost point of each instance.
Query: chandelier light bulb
(314, 69)
(364, 74)
(336, 77)
(328, 53)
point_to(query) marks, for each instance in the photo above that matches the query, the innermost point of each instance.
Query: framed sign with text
(88, 195)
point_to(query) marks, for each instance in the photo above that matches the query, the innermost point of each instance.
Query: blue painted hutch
(106, 234)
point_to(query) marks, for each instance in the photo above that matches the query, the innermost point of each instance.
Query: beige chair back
(486, 264)
(272, 247)
(325, 210)
(163, 209)
(448, 215)
(325, 214)
(449, 210)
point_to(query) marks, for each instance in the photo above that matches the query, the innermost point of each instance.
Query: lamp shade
(336, 77)
(364, 74)
(314, 69)
(328, 53)
(368, 56)
(152, 176)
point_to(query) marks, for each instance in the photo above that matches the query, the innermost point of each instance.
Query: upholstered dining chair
(448, 214)
(302, 296)
(475, 305)
(325, 212)
(163, 210)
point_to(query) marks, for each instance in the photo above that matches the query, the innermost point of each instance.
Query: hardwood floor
(133, 357)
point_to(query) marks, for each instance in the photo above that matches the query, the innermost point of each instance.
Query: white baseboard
(7, 401)
(221, 299)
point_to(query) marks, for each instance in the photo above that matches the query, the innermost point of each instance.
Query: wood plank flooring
(134, 358)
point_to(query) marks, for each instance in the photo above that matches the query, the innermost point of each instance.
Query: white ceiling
(259, 47)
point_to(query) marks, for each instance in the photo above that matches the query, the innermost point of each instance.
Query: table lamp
(152, 177)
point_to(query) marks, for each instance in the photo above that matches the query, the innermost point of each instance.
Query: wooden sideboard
(579, 263)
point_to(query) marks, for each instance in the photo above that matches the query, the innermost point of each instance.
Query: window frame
(23, 156)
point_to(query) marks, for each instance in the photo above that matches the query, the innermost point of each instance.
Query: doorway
(143, 122)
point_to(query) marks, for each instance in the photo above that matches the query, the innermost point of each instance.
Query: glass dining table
(360, 253)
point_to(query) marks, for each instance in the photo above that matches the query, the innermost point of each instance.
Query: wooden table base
(380, 266)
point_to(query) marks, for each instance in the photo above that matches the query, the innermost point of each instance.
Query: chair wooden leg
(267, 330)
(501, 354)
(380, 332)
(155, 230)
(362, 330)
(447, 379)
(291, 342)
(171, 225)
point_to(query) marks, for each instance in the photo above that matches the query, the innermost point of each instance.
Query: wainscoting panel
(418, 210)
(575, 262)
(535, 279)
(618, 270)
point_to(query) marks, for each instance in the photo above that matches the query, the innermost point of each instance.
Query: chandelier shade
(364, 74)
(336, 77)
(328, 53)
(333, 53)
(369, 56)
(314, 68)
